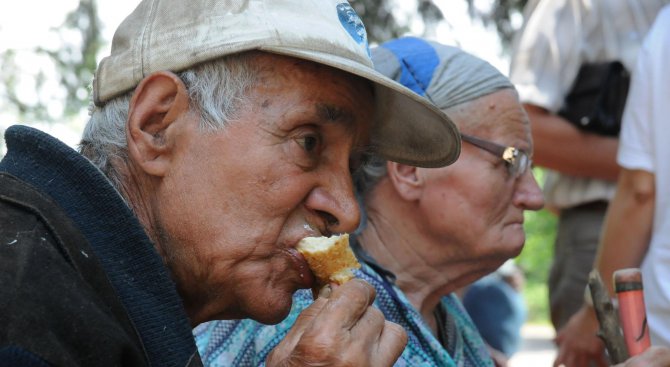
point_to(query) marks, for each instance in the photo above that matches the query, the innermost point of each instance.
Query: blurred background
(49, 50)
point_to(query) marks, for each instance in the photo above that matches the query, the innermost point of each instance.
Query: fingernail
(325, 291)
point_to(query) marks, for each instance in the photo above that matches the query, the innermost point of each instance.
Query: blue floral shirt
(248, 343)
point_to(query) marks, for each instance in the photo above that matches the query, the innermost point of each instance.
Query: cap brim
(408, 128)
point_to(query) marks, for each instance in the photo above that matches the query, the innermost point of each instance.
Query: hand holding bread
(344, 329)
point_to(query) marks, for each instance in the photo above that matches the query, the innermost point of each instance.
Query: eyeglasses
(517, 160)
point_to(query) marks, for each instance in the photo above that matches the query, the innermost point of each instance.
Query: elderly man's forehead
(270, 64)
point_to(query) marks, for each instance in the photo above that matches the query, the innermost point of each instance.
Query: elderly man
(429, 232)
(222, 134)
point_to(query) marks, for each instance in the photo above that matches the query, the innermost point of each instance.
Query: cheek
(467, 208)
(459, 198)
(448, 210)
(498, 202)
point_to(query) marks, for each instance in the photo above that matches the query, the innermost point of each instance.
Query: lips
(516, 221)
(300, 264)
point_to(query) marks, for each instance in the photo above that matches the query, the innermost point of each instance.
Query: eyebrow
(334, 114)
(331, 113)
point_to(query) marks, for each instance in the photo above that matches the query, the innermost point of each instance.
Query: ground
(537, 347)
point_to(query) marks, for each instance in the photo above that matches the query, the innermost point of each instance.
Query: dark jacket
(80, 282)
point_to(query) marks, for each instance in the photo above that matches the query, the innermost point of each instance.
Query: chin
(270, 311)
(516, 251)
(515, 243)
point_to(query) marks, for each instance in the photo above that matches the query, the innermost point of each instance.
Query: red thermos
(633, 315)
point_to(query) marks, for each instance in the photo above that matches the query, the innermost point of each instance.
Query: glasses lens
(520, 164)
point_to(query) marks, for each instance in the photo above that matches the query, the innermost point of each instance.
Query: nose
(527, 194)
(334, 201)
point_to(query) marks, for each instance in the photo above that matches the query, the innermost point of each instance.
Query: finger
(392, 343)
(366, 335)
(303, 322)
(347, 304)
(309, 314)
(562, 358)
(558, 361)
(370, 325)
(654, 356)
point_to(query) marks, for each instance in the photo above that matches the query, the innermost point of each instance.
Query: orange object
(632, 312)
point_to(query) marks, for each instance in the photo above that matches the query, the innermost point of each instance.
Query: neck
(399, 246)
(397, 239)
(136, 189)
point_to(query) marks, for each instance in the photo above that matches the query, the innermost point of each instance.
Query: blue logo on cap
(353, 24)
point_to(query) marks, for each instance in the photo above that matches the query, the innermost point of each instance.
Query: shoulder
(54, 313)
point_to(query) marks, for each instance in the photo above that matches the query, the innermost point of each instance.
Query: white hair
(217, 89)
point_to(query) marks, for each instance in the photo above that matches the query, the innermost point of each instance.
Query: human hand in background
(652, 357)
(578, 343)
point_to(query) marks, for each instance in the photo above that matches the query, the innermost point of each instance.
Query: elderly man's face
(474, 205)
(240, 199)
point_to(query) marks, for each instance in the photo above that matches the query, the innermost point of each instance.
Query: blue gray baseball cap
(177, 34)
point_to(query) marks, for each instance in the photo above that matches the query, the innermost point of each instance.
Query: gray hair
(217, 90)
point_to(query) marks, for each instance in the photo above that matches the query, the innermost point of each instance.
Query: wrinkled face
(474, 205)
(246, 195)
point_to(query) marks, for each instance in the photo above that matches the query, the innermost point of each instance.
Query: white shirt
(645, 145)
(558, 38)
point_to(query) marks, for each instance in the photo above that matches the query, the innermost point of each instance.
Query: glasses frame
(518, 161)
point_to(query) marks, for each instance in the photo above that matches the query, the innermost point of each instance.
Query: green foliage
(536, 257)
(536, 296)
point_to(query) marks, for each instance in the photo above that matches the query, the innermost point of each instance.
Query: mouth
(299, 262)
(518, 221)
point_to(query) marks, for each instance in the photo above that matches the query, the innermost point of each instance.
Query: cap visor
(408, 128)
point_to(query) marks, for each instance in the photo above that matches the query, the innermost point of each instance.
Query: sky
(22, 28)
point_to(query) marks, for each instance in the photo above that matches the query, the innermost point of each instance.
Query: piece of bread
(330, 258)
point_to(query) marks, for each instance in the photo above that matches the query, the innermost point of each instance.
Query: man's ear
(159, 101)
(407, 180)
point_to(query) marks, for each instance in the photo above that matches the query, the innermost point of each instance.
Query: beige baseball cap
(177, 34)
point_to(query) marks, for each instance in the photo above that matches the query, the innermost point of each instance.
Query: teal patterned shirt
(248, 343)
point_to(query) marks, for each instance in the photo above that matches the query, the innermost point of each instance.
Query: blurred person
(428, 232)
(497, 307)
(636, 231)
(560, 37)
(221, 134)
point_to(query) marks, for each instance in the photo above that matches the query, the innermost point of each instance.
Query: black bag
(597, 99)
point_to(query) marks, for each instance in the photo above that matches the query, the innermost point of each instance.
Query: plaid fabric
(247, 343)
